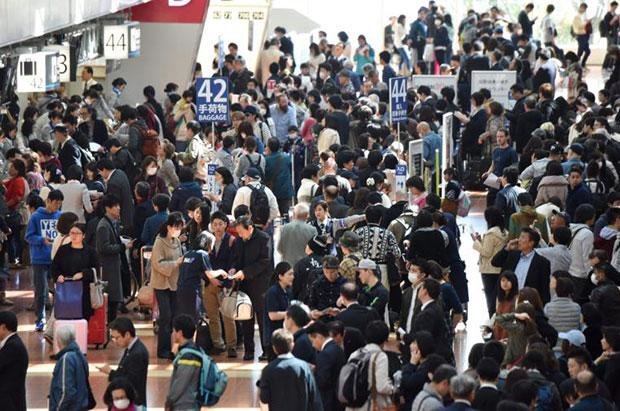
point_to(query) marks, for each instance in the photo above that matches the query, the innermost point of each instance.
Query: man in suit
(117, 183)
(336, 209)
(524, 20)
(13, 364)
(432, 318)
(287, 382)
(252, 269)
(487, 394)
(527, 122)
(329, 360)
(532, 269)
(462, 391)
(68, 152)
(355, 315)
(134, 363)
(295, 320)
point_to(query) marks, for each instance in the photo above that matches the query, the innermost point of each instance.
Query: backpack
(212, 381)
(150, 141)
(547, 400)
(599, 198)
(464, 204)
(353, 387)
(256, 166)
(259, 204)
(602, 28)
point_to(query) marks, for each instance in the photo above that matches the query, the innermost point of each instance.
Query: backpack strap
(575, 235)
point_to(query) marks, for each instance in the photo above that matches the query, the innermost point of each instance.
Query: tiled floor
(241, 393)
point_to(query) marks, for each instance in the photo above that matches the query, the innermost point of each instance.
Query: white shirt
(3, 342)
(244, 195)
(412, 306)
(426, 304)
(326, 342)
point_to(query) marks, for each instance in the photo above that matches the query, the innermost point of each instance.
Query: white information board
(435, 83)
(37, 72)
(498, 82)
(63, 63)
(416, 159)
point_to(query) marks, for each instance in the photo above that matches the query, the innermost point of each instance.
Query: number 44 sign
(212, 99)
(121, 41)
(398, 99)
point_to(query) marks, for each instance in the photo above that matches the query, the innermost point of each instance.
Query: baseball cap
(556, 149)
(250, 110)
(318, 245)
(367, 264)
(252, 172)
(331, 262)
(574, 337)
(577, 148)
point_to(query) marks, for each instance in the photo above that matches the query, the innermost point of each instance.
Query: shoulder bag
(237, 305)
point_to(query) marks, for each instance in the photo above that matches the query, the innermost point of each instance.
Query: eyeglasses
(76, 233)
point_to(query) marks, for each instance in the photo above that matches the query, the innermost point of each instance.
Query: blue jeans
(39, 279)
(583, 49)
(166, 300)
(404, 58)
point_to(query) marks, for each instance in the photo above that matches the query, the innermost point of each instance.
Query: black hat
(318, 245)
(250, 110)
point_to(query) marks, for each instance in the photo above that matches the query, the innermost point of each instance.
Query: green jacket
(525, 218)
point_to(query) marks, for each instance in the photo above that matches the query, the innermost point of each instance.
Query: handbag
(429, 52)
(146, 295)
(68, 300)
(96, 291)
(237, 305)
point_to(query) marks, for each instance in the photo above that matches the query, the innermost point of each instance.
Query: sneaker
(248, 356)
(263, 357)
(39, 326)
(232, 353)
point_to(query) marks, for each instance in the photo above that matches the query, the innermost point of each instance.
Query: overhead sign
(212, 99)
(37, 72)
(121, 41)
(498, 82)
(63, 63)
(398, 99)
(435, 83)
(416, 150)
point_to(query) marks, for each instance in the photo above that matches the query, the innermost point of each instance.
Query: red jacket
(15, 191)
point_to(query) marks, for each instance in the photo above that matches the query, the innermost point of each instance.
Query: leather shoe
(248, 356)
(232, 353)
(263, 357)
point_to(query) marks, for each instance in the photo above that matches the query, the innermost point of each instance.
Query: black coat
(433, 320)
(329, 361)
(69, 155)
(337, 210)
(487, 399)
(13, 366)
(134, 367)
(526, 123)
(471, 132)
(288, 384)
(118, 184)
(254, 258)
(537, 275)
(514, 114)
(341, 121)
(358, 316)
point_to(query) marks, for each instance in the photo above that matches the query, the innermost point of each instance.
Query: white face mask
(263, 112)
(412, 277)
(121, 404)
(151, 171)
(593, 279)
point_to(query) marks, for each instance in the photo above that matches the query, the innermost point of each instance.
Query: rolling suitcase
(81, 333)
(98, 325)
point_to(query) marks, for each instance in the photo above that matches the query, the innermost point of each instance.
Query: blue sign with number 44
(212, 99)
(398, 99)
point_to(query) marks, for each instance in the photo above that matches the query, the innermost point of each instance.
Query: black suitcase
(472, 170)
(203, 336)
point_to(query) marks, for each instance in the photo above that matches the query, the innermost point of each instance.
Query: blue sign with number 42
(212, 99)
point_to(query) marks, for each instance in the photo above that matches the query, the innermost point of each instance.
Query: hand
(180, 260)
(215, 282)
(522, 316)
(512, 245)
(333, 311)
(78, 276)
(129, 245)
(315, 314)
(47, 242)
(415, 357)
(60, 279)
(484, 175)
(183, 238)
(238, 276)
(105, 369)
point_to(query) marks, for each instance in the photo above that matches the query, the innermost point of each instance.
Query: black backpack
(353, 387)
(259, 204)
(256, 166)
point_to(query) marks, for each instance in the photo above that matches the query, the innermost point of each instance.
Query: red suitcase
(98, 325)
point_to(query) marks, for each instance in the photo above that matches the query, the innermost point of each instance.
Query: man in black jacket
(355, 315)
(329, 360)
(295, 321)
(530, 120)
(13, 364)
(68, 153)
(287, 382)
(432, 318)
(524, 20)
(134, 363)
(532, 269)
(252, 269)
(487, 394)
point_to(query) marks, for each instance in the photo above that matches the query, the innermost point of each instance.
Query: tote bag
(68, 300)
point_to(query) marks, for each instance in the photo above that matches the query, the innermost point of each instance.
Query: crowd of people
(359, 308)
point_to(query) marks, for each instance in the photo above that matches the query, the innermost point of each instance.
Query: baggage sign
(212, 99)
(398, 99)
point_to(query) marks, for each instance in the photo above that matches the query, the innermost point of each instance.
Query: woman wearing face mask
(441, 41)
(166, 258)
(120, 395)
(149, 169)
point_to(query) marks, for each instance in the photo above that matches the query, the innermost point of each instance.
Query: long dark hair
(205, 214)
(512, 277)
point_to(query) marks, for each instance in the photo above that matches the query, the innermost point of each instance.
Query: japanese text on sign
(212, 100)
(497, 82)
(398, 99)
